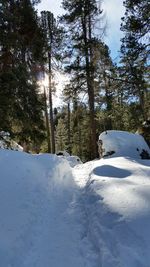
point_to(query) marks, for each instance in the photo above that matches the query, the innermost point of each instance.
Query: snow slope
(6, 142)
(96, 214)
(39, 218)
(116, 199)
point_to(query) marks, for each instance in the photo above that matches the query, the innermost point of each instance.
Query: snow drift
(117, 204)
(6, 142)
(122, 143)
(116, 199)
(35, 194)
(98, 217)
(72, 160)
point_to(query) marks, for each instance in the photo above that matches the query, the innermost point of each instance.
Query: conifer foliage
(135, 51)
(21, 51)
(80, 18)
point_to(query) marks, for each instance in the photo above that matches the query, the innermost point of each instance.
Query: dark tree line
(21, 51)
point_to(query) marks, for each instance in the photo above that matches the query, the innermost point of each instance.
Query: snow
(8, 143)
(72, 160)
(117, 203)
(123, 143)
(88, 215)
(39, 223)
(63, 153)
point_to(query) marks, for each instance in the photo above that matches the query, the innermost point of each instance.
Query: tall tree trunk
(90, 86)
(80, 140)
(48, 23)
(142, 102)
(47, 123)
(68, 129)
(51, 105)
(108, 124)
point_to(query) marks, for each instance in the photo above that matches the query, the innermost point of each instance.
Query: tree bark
(68, 130)
(90, 85)
(47, 123)
(51, 105)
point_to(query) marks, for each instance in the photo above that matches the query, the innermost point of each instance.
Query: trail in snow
(42, 220)
(116, 200)
(57, 237)
(97, 217)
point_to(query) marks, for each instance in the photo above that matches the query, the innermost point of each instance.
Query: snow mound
(72, 160)
(32, 189)
(7, 143)
(117, 206)
(63, 153)
(121, 143)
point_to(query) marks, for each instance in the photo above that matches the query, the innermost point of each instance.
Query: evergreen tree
(135, 51)
(21, 51)
(105, 84)
(81, 17)
(61, 136)
(53, 35)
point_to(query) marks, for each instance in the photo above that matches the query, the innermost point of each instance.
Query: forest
(100, 94)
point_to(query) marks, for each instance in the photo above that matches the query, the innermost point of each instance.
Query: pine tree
(53, 35)
(81, 17)
(105, 84)
(61, 136)
(21, 50)
(135, 50)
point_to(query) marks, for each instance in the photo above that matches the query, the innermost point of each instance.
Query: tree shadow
(112, 172)
(144, 162)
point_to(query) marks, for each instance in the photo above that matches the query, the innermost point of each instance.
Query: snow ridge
(41, 215)
(96, 214)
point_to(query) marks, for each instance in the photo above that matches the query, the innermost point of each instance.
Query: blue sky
(113, 9)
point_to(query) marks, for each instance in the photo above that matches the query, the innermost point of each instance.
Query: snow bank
(117, 206)
(121, 143)
(44, 211)
(32, 189)
(63, 153)
(72, 160)
(7, 143)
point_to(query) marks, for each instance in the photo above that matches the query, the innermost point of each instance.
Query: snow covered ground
(96, 214)
(39, 224)
(116, 199)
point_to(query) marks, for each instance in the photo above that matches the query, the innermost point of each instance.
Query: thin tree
(80, 18)
(49, 25)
